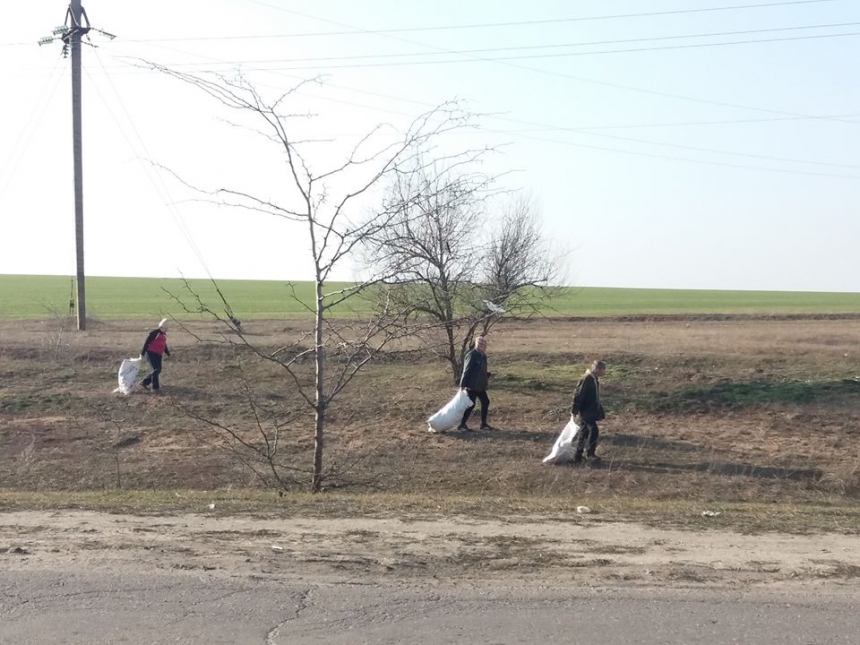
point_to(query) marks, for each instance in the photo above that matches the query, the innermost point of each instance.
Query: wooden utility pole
(75, 21)
(76, 26)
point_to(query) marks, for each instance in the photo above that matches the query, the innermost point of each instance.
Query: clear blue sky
(665, 148)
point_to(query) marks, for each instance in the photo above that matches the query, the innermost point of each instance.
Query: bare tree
(332, 204)
(430, 248)
(455, 265)
(520, 267)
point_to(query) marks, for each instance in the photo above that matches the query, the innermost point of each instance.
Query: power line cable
(690, 160)
(506, 59)
(647, 154)
(423, 105)
(569, 45)
(696, 148)
(681, 124)
(634, 140)
(587, 80)
(486, 25)
(495, 59)
(586, 132)
(517, 23)
(545, 128)
(551, 73)
(845, 118)
(159, 185)
(26, 133)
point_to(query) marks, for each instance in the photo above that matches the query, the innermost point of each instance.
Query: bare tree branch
(333, 205)
(446, 267)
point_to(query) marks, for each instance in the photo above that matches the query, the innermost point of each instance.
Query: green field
(29, 297)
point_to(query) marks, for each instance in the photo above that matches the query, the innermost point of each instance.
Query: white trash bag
(127, 374)
(560, 452)
(451, 414)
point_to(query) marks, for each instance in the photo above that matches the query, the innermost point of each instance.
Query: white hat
(163, 323)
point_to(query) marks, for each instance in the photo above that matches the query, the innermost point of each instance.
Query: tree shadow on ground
(625, 440)
(730, 469)
(733, 395)
(501, 435)
(653, 443)
(196, 394)
(719, 468)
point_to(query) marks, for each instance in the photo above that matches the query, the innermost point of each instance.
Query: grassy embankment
(755, 418)
(32, 297)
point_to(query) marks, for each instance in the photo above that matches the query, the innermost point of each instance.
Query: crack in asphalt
(302, 603)
(190, 609)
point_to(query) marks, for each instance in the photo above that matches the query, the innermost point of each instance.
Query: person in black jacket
(587, 411)
(153, 347)
(474, 381)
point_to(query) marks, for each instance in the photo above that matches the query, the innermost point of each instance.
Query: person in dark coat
(474, 381)
(154, 347)
(587, 410)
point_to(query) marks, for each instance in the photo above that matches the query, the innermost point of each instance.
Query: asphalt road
(133, 606)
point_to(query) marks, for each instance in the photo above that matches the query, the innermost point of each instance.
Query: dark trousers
(155, 361)
(485, 405)
(588, 437)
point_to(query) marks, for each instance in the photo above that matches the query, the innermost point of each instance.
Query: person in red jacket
(153, 348)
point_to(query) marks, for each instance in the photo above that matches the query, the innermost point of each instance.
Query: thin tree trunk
(456, 363)
(320, 402)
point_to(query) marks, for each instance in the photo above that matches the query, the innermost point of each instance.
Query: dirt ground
(755, 419)
(742, 409)
(583, 551)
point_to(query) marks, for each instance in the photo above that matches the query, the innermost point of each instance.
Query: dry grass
(744, 517)
(700, 412)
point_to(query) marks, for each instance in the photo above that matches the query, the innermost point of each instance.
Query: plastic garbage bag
(451, 414)
(562, 450)
(127, 374)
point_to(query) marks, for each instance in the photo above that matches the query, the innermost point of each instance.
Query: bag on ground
(127, 374)
(451, 414)
(562, 450)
